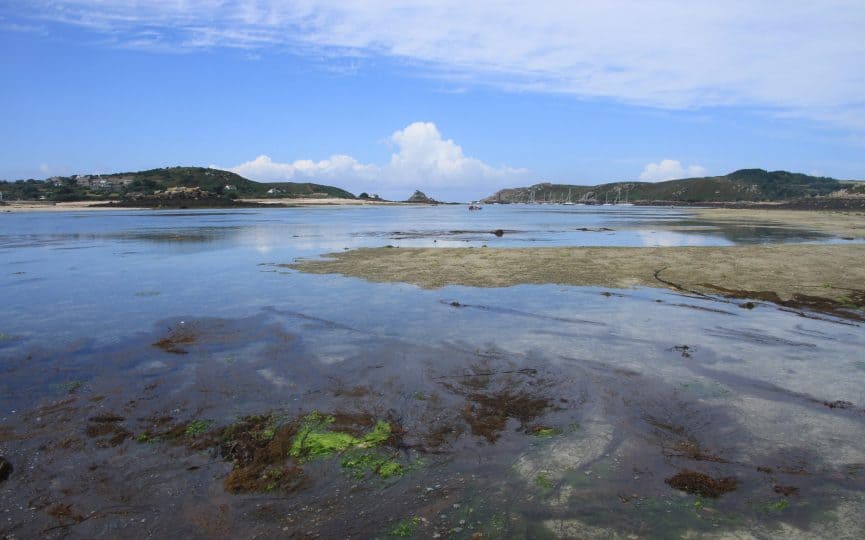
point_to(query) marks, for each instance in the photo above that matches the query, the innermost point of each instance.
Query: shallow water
(540, 411)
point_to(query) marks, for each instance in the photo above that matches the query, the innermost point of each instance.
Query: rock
(5, 469)
(498, 232)
(421, 197)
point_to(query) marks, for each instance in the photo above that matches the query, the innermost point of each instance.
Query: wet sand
(844, 224)
(831, 272)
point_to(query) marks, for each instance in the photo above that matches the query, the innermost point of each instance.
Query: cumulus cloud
(336, 167)
(422, 159)
(670, 169)
(423, 156)
(804, 60)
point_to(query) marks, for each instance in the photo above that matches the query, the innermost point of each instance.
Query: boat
(626, 203)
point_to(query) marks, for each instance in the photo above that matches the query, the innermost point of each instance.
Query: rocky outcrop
(419, 197)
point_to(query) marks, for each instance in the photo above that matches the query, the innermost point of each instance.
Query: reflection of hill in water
(756, 233)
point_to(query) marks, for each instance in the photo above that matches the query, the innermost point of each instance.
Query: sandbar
(835, 272)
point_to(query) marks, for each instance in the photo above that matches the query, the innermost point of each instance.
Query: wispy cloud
(801, 59)
(422, 159)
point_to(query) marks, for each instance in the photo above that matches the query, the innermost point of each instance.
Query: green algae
(404, 528)
(320, 445)
(316, 440)
(774, 507)
(360, 463)
(546, 432)
(266, 434)
(390, 469)
(379, 434)
(269, 425)
(313, 440)
(272, 475)
(497, 525)
(544, 481)
(197, 427)
(147, 437)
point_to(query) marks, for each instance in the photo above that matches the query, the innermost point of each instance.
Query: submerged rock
(701, 483)
(571, 451)
(5, 469)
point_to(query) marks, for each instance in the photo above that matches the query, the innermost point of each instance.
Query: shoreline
(78, 206)
(845, 224)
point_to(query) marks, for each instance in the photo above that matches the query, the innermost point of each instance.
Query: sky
(457, 99)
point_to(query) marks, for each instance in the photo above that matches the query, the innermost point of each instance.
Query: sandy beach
(323, 202)
(43, 206)
(78, 206)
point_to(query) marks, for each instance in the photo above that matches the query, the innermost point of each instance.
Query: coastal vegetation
(752, 185)
(214, 183)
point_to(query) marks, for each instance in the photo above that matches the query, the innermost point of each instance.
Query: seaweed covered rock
(702, 484)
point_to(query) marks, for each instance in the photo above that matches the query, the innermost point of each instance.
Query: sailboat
(626, 203)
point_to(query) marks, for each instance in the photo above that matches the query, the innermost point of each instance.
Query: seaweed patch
(697, 483)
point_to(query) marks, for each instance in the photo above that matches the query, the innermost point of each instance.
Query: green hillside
(120, 185)
(744, 185)
(855, 187)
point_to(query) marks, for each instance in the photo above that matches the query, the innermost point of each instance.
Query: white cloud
(670, 169)
(423, 157)
(335, 168)
(802, 60)
(422, 160)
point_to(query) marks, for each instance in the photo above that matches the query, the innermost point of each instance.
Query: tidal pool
(162, 376)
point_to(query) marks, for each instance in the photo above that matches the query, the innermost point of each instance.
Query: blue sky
(457, 99)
